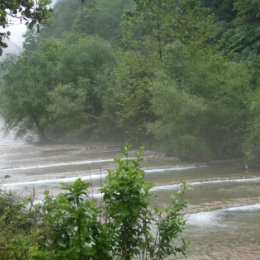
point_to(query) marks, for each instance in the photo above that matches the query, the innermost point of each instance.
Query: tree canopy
(181, 76)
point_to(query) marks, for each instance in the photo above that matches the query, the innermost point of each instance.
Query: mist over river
(223, 213)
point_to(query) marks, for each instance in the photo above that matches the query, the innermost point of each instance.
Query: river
(223, 213)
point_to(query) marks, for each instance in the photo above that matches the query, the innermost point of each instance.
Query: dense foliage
(179, 75)
(123, 226)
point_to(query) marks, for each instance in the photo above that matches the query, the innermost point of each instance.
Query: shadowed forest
(178, 76)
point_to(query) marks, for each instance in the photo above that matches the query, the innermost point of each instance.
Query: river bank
(215, 231)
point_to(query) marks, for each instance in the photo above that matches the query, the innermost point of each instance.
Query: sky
(15, 41)
(17, 30)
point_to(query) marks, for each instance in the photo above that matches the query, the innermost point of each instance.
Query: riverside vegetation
(124, 225)
(182, 76)
(179, 75)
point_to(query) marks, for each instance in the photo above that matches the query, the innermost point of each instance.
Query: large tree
(57, 88)
(32, 11)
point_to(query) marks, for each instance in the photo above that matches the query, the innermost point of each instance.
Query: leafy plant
(124, 226)
(138, 230)
(69, 227)
(16, 226)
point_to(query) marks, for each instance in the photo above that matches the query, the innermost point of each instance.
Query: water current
(223, 213)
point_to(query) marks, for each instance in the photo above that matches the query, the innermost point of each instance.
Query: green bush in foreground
(123, 226)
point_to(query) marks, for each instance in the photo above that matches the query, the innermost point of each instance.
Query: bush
(123, 227)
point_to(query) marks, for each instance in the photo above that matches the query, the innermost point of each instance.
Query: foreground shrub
(122, 226)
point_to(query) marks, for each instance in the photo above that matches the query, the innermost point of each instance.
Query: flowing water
(223, 213)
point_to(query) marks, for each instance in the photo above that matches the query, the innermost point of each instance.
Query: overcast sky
(17, 30)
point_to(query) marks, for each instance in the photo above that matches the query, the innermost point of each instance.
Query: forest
(181, 77)
(178, 77)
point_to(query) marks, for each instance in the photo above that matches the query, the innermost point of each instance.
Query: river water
(223, 213)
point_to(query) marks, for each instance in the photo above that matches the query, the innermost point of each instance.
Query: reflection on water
(223, 213)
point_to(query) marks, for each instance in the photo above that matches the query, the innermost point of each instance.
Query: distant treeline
(181, 76)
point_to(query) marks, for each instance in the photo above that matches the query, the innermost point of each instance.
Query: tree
(62, 18)
(56, 90)
(76, 103)
(200, 103)
(33, 12)
(151, 25)
(223, 9)
(27, 81)
(251, 145)
(127, 106)
(102, 20)
(178, 120)
(242, 36)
